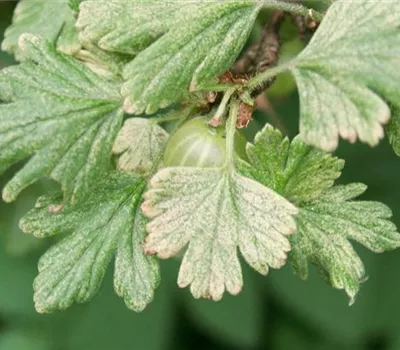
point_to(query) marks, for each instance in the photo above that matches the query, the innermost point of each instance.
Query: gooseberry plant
(136, 108)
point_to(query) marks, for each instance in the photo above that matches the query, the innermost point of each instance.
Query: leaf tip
(8, 195)
(129, 107)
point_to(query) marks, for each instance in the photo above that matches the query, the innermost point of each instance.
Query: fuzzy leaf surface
(139, 143)
(325, 227)
(203, 42)
(295, 170)
(106, 223)
(126, 27)
(62, 113)
(53, 20)
(349, 67)
(216, 212)
(328, 216)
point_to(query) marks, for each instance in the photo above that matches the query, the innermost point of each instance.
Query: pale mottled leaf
(216, 212)
(136, 275)
(203, 42)
(107, 222)
(60, 112)
(327, 218)
(68, 41)
(125, 26)
(139, 143)
(351, 62)
(326, 225)
(53, 20)
(393, 130)
(292, 168)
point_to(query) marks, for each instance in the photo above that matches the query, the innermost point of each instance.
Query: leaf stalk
(297, 9)
(230, 134)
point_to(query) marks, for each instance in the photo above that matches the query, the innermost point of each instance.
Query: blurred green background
(278, 312)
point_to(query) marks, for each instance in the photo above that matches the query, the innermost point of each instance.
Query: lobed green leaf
(53, 20)
(204, 41)
(62, 113)
(177, 46)
(107, 222)
(350, 64)
(326, 225)
(215, 212)
(328, 217)
(295, 170)
(126, 27)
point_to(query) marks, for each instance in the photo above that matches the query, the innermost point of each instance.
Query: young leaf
(393, 130)
(351, 59)
(106, 222)
(53, 20)
(288, 167)
(60, 111)
(204, 41)
(324, 227)
(327, 218)
(216, 212)
(139, 143)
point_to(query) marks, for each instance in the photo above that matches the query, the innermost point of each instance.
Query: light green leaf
(139, 143)
(351, 61)
(216, 212)
(60, 112)
(326, 225)
(203, 42)
(126, 27)
(327, 218)
(136, 275)
(68, 41)
(105, 223)
(295, 170)
(393, 130)
(53, 20)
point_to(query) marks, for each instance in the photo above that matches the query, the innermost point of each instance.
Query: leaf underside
(139, 144)
(350, 64)
(216, 212)
(62, 113)
(106, 223)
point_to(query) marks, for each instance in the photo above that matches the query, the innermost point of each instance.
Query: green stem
(230, 134)
(297, 9)
(172, 116)
(217, 119)
(217, 87)
(268, 74)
